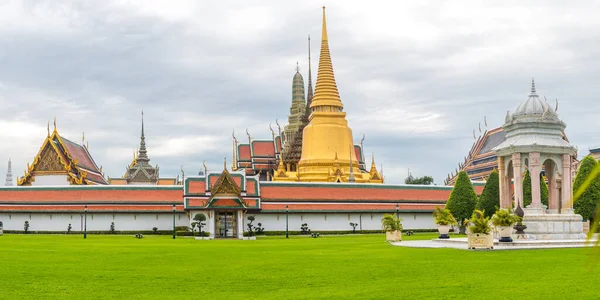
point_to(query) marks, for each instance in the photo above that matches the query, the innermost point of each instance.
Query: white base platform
(461, 243)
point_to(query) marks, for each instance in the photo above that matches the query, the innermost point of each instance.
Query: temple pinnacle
(143, 153)
(326, 91)
(9, 178)
(533, 92)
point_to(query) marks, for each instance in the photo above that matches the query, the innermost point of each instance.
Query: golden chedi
(327, 146)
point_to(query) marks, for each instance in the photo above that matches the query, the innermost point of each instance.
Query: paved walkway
(461, 243)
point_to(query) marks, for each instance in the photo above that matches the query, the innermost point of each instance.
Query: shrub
(155, 230)
(443, 217)
(304, 228)
(587, 203)
(353, 226)
(112, 227)
(504, 218)
(69, 228)
(462, 200)
(1, 225)
(390, 222)
(479, 223)
(259, 229)
(26, 226)
(489, 200)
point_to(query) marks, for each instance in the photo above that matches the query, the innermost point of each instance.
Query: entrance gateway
(225, 199)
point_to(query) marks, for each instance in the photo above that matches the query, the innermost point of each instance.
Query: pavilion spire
(143, 153)
(533, 92)
(309, 96)
(9, 178)
(326, 91)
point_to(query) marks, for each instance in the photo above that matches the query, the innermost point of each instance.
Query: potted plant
(443, 218)
(503, 221)
(479, 231)
(392, 226)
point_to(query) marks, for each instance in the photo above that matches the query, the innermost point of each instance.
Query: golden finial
(82, 137)
(224, 163)
(87, 145)
(48, 128)
(54, 123)
(205, 168)
(326, 91)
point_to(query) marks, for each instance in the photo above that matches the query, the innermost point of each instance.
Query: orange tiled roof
(78, 195)
(91, 208)
(337, 207)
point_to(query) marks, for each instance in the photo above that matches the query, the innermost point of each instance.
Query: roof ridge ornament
(533, 91)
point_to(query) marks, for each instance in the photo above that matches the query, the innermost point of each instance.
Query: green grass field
(336, 267)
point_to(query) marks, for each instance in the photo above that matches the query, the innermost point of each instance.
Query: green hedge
(144, 232)
(334, 232)
(189, 233)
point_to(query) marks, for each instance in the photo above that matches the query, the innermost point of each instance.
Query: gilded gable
(226, 186)
(49, 160)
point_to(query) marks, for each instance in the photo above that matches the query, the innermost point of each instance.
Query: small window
(135, 217)
(325, 218)
(277, 217)
(113, 217)
(371, 217)
(157, 217)
(348, 217)
(301, 217)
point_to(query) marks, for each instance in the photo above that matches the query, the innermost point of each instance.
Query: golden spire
(48, 128)
(54, 123)
(326, 91)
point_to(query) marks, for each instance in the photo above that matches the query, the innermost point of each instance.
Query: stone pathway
(461, 243)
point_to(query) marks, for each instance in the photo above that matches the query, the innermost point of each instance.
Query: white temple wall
(164, 221)
(50, 180)
(338, 221)
(95, 221)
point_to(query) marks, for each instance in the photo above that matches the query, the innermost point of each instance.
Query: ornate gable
(226, 193)
(49, 160)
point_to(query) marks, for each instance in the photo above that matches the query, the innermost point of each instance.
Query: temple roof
(140, 171)
(60, 155)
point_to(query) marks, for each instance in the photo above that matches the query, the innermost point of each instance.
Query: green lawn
(336, 267)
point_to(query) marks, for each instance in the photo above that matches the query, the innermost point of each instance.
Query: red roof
(91, 208)
(317, 207)
(308, 192)
(263, 148)
(244, 152)
(91, 194)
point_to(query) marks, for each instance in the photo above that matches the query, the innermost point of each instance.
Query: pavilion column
(534, 171)
(553, 194)
(518, 184)
(567, 190)
(502, 183)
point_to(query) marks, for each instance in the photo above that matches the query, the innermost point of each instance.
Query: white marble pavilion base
(546, 226)
(461, 243)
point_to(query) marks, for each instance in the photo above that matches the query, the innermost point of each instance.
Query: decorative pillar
(240, 225)
(567, 191)
(518, 184)
(211, 224)
(501, 182)
(534, 171)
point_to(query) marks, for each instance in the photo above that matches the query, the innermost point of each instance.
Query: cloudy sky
(415, 76)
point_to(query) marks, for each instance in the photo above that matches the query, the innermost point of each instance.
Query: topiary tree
(200, 218)
(489, 201)
(526, 189)
(586, 204)
(544, 190)
(250, 226)
(462, 200)
(26, 226)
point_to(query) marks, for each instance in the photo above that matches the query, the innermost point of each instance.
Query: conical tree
(462, 199)
(544, 190)
(586, 204)
(526, 189)
(489, 200)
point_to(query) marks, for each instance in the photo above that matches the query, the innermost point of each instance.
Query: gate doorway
(225, 223)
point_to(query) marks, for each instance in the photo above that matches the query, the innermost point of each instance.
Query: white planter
(478, 240)
(444, 229)
(505, 233)
(393, 236)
